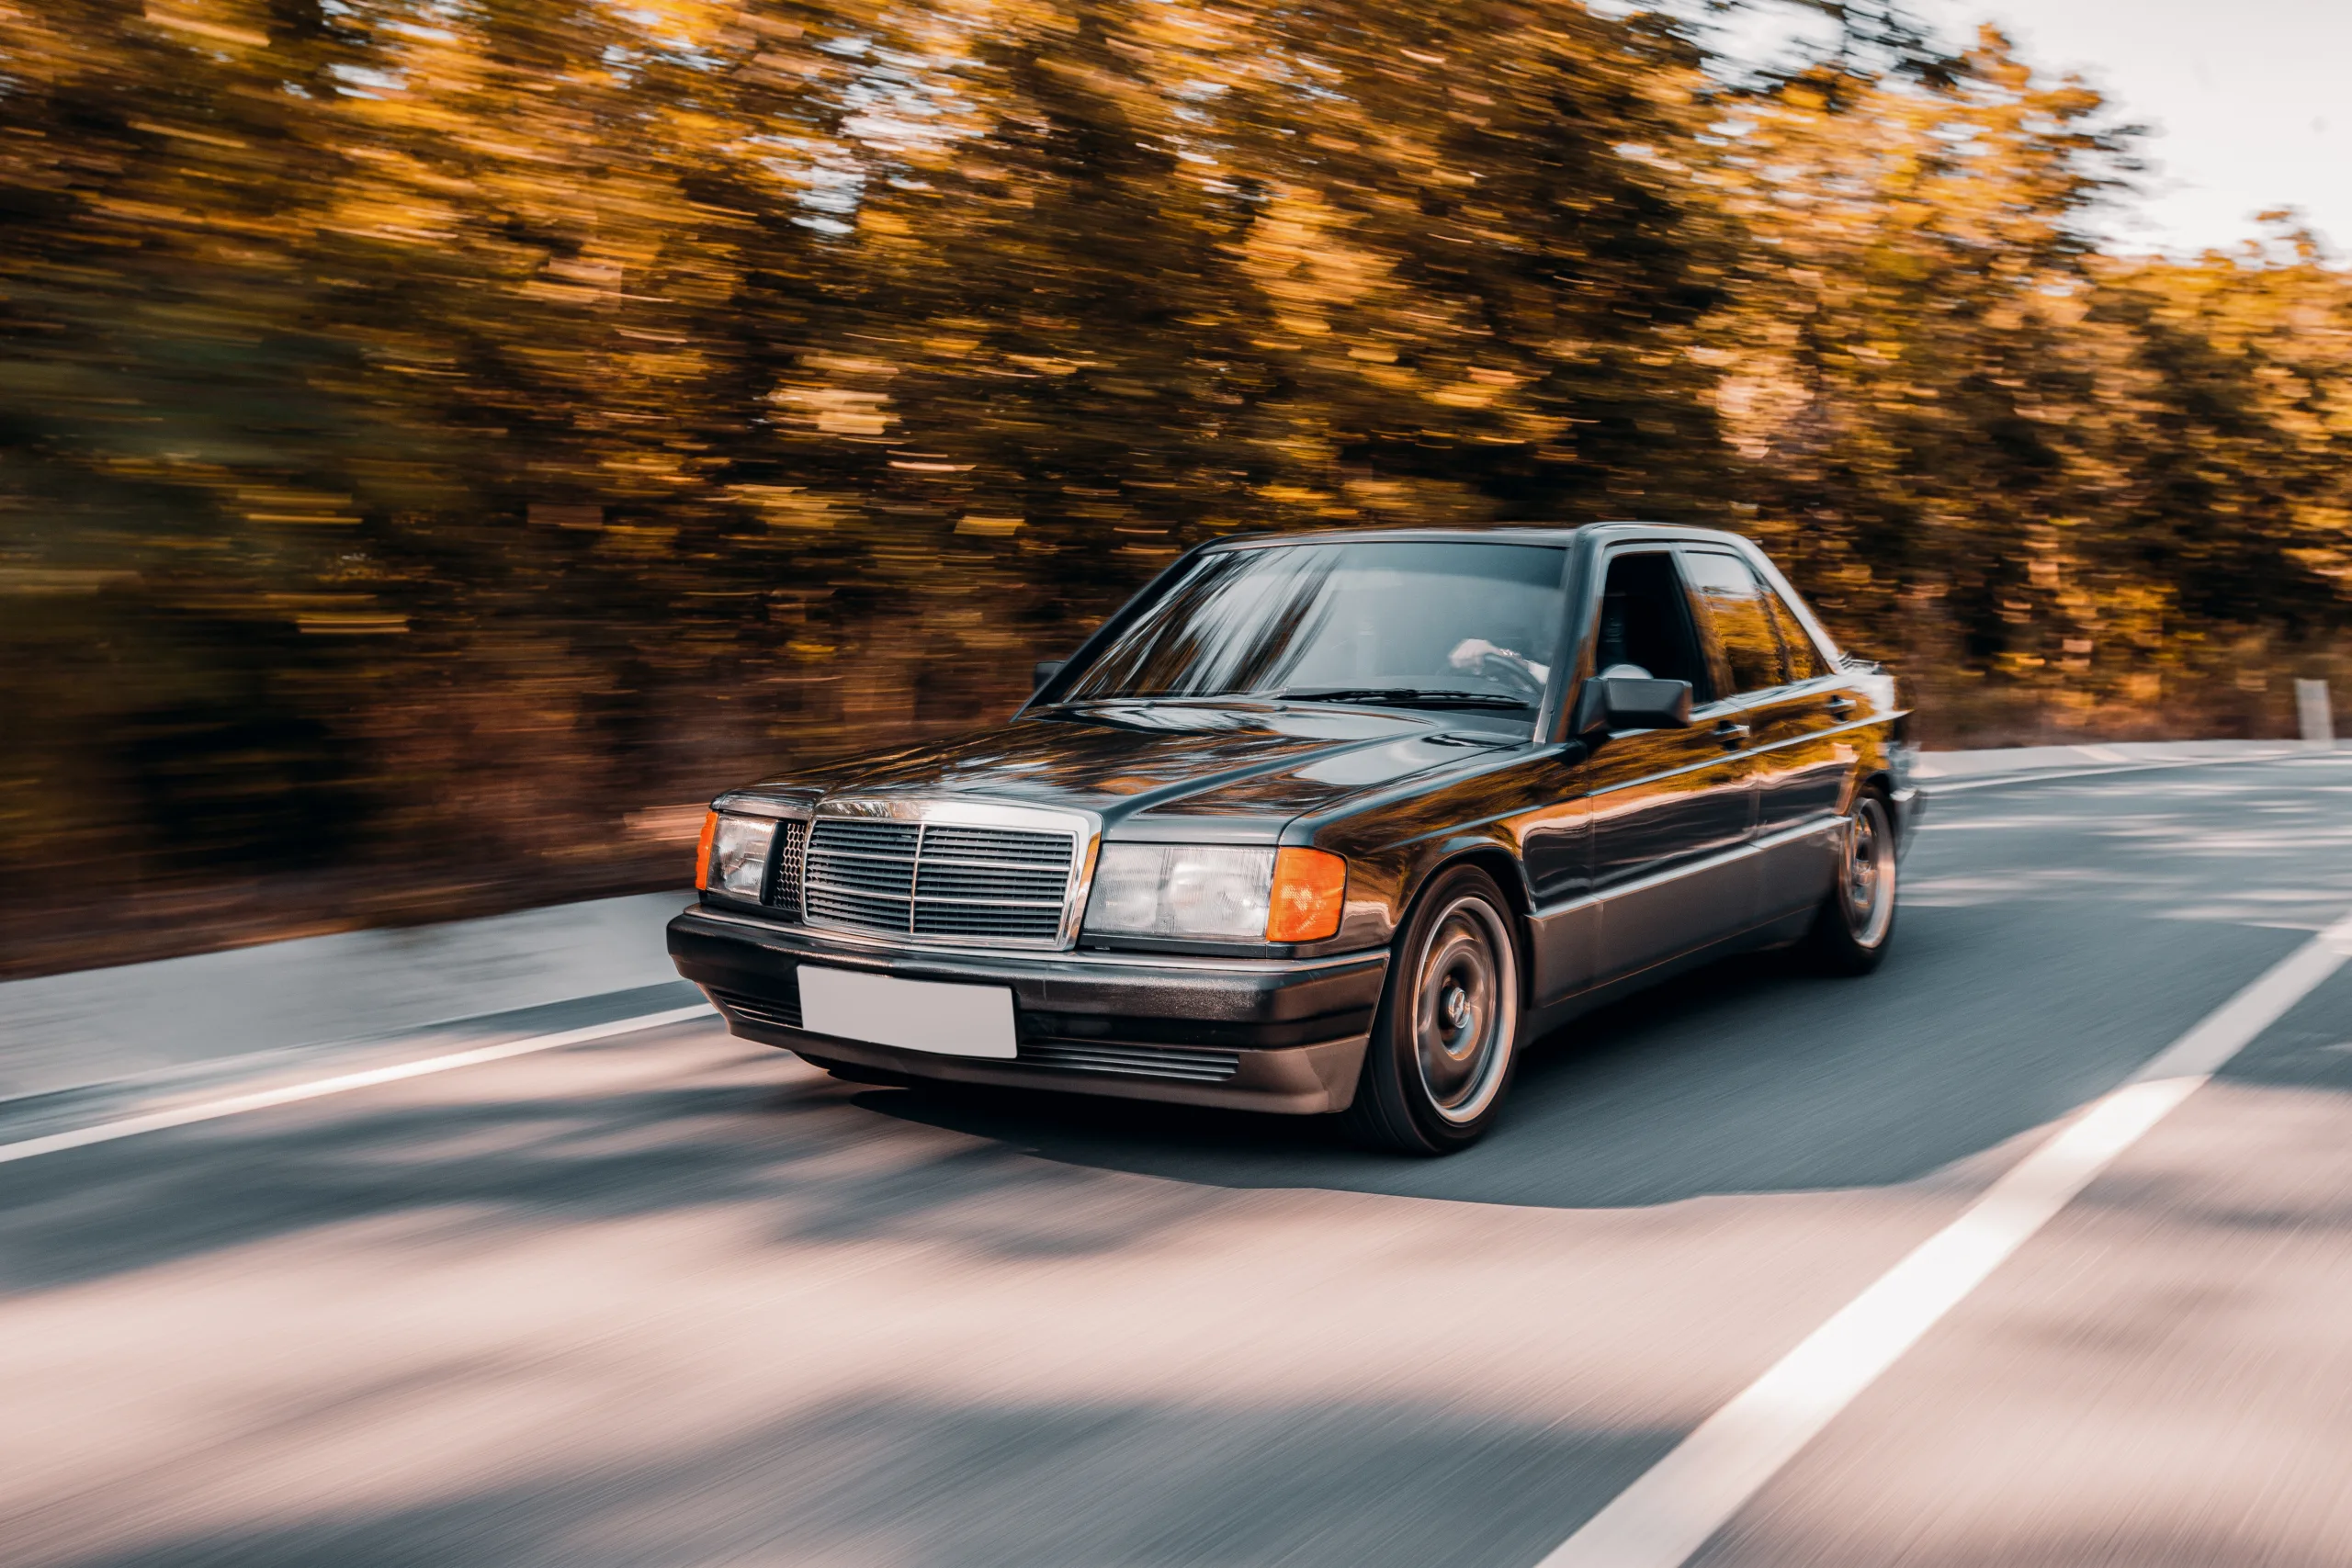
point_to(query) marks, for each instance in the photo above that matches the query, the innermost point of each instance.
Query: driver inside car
(1476, 656)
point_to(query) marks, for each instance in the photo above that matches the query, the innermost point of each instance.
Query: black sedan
(1327, 823)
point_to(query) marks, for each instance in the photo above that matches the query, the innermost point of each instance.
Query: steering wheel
(1511, 670)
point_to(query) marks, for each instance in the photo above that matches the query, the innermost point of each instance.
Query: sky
(2246, 101)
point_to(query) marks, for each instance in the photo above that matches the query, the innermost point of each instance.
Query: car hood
(1165, 760)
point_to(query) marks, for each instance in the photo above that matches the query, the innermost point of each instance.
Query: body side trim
(1713, 863)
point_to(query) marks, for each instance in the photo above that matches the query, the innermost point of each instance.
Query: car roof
(1503, 533)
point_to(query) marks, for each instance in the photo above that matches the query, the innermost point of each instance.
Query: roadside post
(2312, 710)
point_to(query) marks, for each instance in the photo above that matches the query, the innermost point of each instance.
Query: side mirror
(1622, 703)
(1045, 670)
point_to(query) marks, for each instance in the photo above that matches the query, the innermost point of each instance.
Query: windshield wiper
(1410, 697)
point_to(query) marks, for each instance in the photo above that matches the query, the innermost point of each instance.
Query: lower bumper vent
(1131, 1061)
(781, 1009)
(776, 1012)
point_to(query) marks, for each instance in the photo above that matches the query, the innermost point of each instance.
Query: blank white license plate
(915, 1015)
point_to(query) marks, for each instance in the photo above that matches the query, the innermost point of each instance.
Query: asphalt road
(668, 1298)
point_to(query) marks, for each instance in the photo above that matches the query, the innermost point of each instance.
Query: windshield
(1407, 623)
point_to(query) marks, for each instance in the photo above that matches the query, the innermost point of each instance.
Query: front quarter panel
(1519, 813)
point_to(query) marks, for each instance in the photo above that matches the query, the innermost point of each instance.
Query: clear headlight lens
(1181, 890)
(739, 855)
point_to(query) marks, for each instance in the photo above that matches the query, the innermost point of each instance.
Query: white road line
(1670, 1513)
(1934, 787)
(261, 1099)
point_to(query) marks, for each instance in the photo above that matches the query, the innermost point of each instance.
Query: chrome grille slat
(818, 895)
(952, 883)
(996, 844)
(989, 904)
(898, 879)
(836, 864)
(933, 919)
(913, 876)
(1010, 870)
(878, 914)
(877, 838)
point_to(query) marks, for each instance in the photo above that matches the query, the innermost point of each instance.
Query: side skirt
(1777, 932)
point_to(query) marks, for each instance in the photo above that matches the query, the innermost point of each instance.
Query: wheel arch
(1510, 874)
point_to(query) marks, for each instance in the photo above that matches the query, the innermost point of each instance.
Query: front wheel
(1850, 934)
(1446, 1037)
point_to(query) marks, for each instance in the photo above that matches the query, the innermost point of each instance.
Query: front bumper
(1258, 1034)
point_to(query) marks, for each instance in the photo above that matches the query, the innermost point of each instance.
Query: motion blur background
(440, 438)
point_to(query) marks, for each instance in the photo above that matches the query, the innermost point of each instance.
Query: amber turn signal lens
(702, 850)
(1310, 889)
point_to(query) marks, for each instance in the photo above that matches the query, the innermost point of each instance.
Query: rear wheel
(1850, 934)
(1446, 1037)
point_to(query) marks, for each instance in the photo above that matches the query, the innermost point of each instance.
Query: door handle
(1733, 735)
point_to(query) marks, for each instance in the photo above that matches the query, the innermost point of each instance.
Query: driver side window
(1646, 623)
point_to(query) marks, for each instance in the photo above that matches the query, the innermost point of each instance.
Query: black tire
(1445, 1041)
(1856, 922)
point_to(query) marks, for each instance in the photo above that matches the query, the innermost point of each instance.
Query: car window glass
(1425, 616)
(1733, 603)
(1805, 662)
(1646, 623)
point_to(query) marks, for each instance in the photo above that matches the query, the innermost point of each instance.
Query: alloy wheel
(1466, 1009)
(1866, 872)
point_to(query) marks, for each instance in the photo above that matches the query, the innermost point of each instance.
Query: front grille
(784, 888)
(781, 1010)
(1134, 1061)
(936, 878)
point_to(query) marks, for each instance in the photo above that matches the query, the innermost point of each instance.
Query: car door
(1804, 757)
(1671, 809)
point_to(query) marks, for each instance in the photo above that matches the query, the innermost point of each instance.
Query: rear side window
(1733, 603)
(1805, 662)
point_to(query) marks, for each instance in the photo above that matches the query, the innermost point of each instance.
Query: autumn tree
(438, 430)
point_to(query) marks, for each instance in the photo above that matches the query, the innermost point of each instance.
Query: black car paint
(1627, 856)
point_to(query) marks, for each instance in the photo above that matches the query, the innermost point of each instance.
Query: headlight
(738, 865)
(1181, 890)
(1217, 891)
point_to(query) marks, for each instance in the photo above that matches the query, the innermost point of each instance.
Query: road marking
(1670, 1512)
(1934, 787)
(261, 1099)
